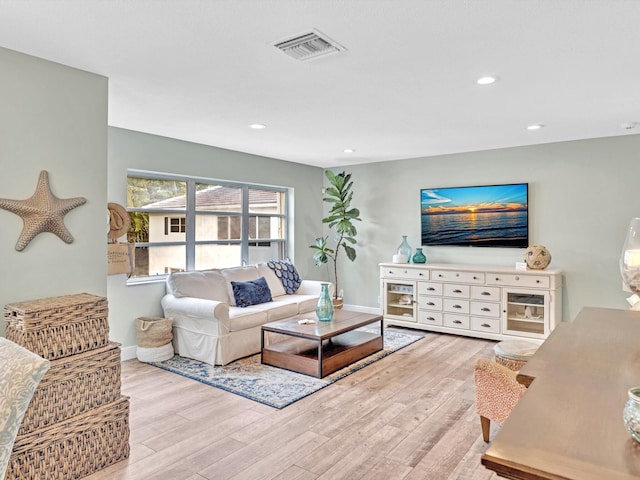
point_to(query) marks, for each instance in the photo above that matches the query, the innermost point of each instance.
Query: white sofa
(207, 324)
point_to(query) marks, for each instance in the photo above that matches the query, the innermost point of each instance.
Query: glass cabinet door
(526, 313)
(399, 300)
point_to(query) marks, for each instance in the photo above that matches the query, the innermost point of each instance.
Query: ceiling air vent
(308, 46)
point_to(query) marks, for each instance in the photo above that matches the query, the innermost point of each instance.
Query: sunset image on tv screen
(490, 215)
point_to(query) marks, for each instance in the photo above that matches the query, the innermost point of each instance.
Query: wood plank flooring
(408, 416)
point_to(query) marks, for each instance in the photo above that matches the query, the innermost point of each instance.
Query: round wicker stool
(513, 354)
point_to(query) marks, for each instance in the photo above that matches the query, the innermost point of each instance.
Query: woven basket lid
(515, 349)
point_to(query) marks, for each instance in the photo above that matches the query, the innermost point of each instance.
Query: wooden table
(569, 423)
(321, 348)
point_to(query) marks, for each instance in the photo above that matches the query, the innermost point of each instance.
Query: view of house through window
(183, 224)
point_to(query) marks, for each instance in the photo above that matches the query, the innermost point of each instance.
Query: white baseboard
(359, 308)
(127, 353)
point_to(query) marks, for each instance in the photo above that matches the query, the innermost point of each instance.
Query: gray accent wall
(582, 195)
(53, 118)
(141, 151)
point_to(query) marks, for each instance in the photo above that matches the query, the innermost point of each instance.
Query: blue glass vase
(404, 248)
(324, 308)
(419, 257)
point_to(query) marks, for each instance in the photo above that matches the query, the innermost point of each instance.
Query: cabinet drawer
(486, 309)
(430, 303)
(490, 325)
(456, 321)
(516, 280)
(429, 318)
(404, 272)
(453, 290)
(430, 288)
(485, 293)
(455, 305)
(457, 276)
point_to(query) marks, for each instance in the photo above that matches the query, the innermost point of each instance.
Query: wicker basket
(74, 385)
(74, 448)
(58, 327)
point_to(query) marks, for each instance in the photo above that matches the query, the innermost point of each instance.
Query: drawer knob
(457, 274)
(431, 319)
(431, 304)
(431, 289)
(485, 325)
(475, 278)
(517, 278)
(485, 293)
(456, 306)
(497, 279)
(537, 281)
(421, 274)
(457, 291)
(485, 309)
(440, 275)
(458, 322)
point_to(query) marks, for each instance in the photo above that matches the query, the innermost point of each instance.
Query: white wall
(53, 118)
(135, 150)
(582, 195)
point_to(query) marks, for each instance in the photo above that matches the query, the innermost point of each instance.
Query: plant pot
(337, 303)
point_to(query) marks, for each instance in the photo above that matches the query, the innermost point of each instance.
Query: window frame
(190, 243)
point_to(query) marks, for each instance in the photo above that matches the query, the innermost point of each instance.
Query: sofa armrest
(184, 308)
(312, 287)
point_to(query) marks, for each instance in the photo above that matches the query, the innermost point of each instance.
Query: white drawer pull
(458, 322)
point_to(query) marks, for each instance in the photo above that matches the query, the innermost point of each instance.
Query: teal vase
(419, 257)
(404, 248)
(324, 308)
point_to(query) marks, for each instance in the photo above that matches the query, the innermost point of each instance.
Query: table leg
(320, 359)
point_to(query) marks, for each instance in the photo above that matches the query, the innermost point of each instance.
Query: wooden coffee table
(321, 348)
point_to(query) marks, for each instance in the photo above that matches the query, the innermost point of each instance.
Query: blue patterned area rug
(273, 386)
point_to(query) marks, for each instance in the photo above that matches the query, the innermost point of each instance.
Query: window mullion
(244, 248)
(191, 225)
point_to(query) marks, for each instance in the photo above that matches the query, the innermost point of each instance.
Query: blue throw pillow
(251, 293)
(287, 274)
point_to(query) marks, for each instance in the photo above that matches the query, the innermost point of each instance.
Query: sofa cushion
(287, 274)
(238, 274)
(275, 285)
(306, 303)
(244, 318)
(206, 284)
(282, 307)
(252, 292)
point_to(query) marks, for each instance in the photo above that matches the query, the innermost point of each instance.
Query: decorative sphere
(537, 257)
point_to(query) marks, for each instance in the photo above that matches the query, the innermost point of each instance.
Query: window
(181, 223)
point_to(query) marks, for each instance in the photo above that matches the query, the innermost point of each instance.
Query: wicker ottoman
(513, 354)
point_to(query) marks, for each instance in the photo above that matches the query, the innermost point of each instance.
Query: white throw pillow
(207, 284)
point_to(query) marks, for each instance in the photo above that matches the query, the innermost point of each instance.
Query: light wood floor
(409, 416)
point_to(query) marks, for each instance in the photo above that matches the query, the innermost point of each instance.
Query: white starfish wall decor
(42, 212)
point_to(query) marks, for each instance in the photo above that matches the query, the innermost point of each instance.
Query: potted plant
(341, 217)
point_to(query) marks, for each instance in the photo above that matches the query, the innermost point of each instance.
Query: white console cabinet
(488, 302)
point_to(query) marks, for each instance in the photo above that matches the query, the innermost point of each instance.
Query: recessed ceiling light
(349, 150)
(488, 80)
(535, 126)
(257, 126)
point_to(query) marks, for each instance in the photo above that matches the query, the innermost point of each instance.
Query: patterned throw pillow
(287, 274)
(252, 292)
(20, 374)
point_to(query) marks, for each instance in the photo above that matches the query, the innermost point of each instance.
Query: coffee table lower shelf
(302, 355)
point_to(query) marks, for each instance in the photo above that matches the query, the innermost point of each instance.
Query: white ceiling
(203, 70)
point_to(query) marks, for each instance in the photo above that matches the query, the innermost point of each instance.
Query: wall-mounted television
(479, 216)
